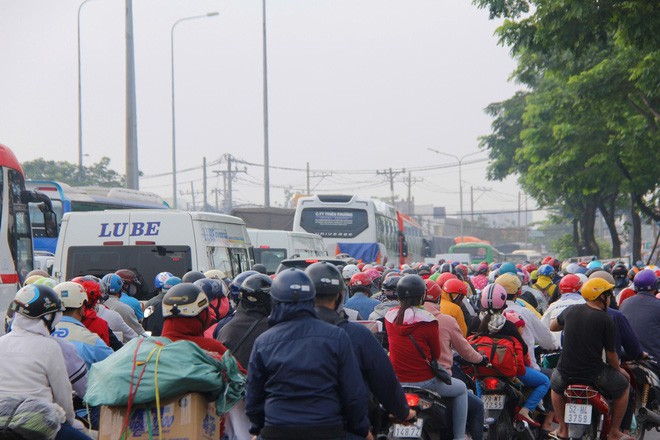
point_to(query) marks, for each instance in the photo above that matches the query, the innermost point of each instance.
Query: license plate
(409, 431)
(493, 401)
(577, 414)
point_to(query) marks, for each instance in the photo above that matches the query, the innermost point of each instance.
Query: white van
(150, 241)
(271, 247)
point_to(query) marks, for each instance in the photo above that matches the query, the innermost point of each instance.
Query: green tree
(98, 174)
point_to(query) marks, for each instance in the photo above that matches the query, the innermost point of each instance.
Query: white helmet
(582, 277)
(215, 274)
(349, 271)
(73, 295)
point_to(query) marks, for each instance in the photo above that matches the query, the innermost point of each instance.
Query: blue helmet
(595, 265)
(507, 268)
(112, 284)
(214, 289)
(292, 286)
(169, 283)
(235, 285)
(161, 278)
(546, 270)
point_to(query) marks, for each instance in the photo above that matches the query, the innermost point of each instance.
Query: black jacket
(233, 332)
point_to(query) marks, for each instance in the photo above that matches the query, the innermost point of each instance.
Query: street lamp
(80, 151)
(194, 17)
(265, 105)
(460, 177)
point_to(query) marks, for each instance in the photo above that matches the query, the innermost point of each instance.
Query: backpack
(502, 354)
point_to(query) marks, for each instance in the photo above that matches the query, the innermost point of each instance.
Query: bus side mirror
(46, 207)
(50, 222)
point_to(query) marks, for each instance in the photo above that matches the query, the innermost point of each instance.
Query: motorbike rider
(376, 368)
(588, 330)
(569, 287)
(545, 283)
(153, 309)
(360, 287)
(37, 368)
(410, 321)
(643, 312)
(112, 284)
(304, 381)
(453, 292)
(130, 287)
(91, 319)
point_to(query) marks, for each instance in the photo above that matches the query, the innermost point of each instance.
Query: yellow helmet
(215, 274)
(510, 282)
(595, 287)
(31, 279)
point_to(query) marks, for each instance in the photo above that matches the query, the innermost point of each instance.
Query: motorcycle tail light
(491, 383)
(412, 399)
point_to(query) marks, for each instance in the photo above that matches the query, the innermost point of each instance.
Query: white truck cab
(149, 242)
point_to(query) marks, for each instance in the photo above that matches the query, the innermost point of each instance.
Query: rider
(130, 288)
(409, 322)
(545, 283)
(360, 288)
(569, 286)
(112, 284)
(153, 320)
(303, 378)
(643, 312)
(453, 292)
(588, 330)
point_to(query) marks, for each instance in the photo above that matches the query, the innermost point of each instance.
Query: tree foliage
(98, 174)
(581, 135)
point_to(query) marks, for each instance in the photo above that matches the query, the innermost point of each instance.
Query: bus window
(19, 230)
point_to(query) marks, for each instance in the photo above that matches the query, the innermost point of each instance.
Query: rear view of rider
(153, 320)
(643, 312)
(112, 285)
(130, 287)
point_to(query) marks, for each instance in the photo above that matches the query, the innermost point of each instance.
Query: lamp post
(265, 104)
(194, 17)
(460, 177)
(80, 150)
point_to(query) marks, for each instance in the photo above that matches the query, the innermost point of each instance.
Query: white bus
(272, 246)
(149, 241)
(364, 228)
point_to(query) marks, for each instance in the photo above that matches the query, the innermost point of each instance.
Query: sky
(359, 85)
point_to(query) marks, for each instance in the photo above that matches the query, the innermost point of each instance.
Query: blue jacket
(377, 370)
(362, 303)
(303, 374)
(626, 340)
(135, 305)
(643, 313)
(89, 346)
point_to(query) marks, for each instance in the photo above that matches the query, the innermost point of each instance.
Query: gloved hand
(484, 361)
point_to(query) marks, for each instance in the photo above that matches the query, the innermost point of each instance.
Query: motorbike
(587, 411)
(644, 377)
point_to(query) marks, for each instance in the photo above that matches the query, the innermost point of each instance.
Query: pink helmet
(493, 297)
(373, 273)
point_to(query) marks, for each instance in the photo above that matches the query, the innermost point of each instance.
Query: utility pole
(309, 175)
(391, 174)
(205, 187)
(410, 200)
(308, 191)
(192, 193)
(132, 180)
(228, 176)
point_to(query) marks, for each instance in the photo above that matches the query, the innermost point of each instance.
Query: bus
(478, 251)
(364, 228)
(65, 198)
(16, 253)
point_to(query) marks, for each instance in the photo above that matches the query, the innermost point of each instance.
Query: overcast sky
(353, 84)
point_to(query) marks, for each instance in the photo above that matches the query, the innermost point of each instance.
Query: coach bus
(479, 251)
(16, 255)
(364, 228)
(67, 198)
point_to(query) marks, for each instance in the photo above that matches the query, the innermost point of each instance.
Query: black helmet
(256, 288)
(291, 286)
(424, 269)
(409, 271)
(35, 300)
(447, 267)
(389, 286)
(185, 300)
(411, 286)
(192, 276)
(213, 289)
(260, 268)
(620, 270)
(327, 278)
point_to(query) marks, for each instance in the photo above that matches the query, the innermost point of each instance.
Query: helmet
(326, 278)
(572, 268)
(215, 274)
(619, 270)
(524, 276)
(409, 271)
(92, 288)
(31, 279)
(130, 279)
(389, 285)
(594, 264)
(292, 286)
(507, 268)
(493, 297)
(366, 267)
(424, 269)
(161, 278)
(570, 283)
(594, 288)
(447, 267)
(513, 317)
(601, 273)
(410, 286)
(360, 282)
(73, 295)
(373, 274)
(510, 282)
(632, 272)
(444, 277)
(213, 289)
(191, 276)
(530, 267)
(259, 268)
(645, 281)
(482, 269)
(360, 266)
(235, 285)
(534, 275)
(348, 271)
(35, 301)
(40, 272)
(46, 281)
(256, 288)
(582, 277)
(112, 284)
(433, 291)
(185, 299)
(462, 270)
(169, 283)
(546, 270)
(455, 286)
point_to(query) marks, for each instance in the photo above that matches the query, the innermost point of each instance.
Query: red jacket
(97, 325)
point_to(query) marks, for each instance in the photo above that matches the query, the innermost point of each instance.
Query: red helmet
(462, 269)
(92, 288)
(570, 284)
(444, 277)
(373, 274)
(130, 279)
(361, 265)
(380, 268)
(360, 281)
(455, 286)
(530, 267)
(433, 291)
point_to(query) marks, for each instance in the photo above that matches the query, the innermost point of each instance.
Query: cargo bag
(501, 354)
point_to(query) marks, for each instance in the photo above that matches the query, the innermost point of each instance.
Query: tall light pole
(460, 177)
(80, 149)
(132, 169)
(265, 103)
(194, 17)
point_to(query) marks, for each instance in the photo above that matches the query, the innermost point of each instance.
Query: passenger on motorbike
(643, 312)
(588, 330)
